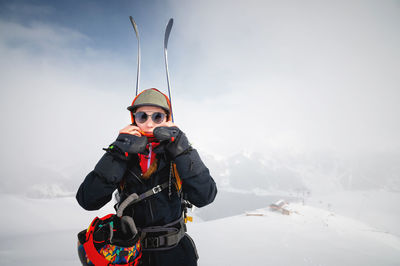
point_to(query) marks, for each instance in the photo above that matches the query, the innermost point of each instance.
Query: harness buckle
(157, 189)
(151, 242)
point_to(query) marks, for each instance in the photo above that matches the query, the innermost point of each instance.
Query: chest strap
(135, 198)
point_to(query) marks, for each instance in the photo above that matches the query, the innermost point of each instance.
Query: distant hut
(280, 206)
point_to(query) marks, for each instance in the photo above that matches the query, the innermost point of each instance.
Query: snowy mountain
(307, 172)
(294, 174)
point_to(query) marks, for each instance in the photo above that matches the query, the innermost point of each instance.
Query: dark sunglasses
(142, 117)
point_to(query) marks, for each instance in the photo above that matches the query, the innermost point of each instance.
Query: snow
(379, 208)
(323, 231)
(309, 236)
(42, 231)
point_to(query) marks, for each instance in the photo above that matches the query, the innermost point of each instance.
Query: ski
(138, 53)
(166, 37)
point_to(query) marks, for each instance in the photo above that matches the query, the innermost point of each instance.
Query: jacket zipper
(135, 175)
(150, 154)
(151, 211)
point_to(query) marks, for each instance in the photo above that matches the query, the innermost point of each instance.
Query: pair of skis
(166, 38)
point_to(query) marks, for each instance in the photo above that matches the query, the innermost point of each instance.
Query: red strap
(97, 259)
(93, 255)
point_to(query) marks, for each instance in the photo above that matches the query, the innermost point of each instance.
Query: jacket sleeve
(98, 186)
(197, 184)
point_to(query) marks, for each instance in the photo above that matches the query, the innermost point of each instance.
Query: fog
(279, 80)
(282, 99)
(287, 99)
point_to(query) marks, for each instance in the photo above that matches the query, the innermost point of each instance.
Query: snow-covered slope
(41, 232)
(309, 236)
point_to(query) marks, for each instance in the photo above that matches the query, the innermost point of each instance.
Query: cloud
(39, 37)
(57, 108)
(307, 75)
(26, 9)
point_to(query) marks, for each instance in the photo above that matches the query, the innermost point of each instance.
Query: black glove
(128, 144)
(173, 140)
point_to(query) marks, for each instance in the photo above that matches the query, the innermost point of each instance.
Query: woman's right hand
(132, 130)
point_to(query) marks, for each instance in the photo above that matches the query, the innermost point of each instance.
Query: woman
(153, 156)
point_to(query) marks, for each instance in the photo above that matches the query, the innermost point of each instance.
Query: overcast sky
(254, 76)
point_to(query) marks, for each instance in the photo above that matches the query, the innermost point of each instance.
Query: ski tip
(168, 31)
(170, 23)
(133, 24)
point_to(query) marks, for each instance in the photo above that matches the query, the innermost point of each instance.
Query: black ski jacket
(114, 172)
